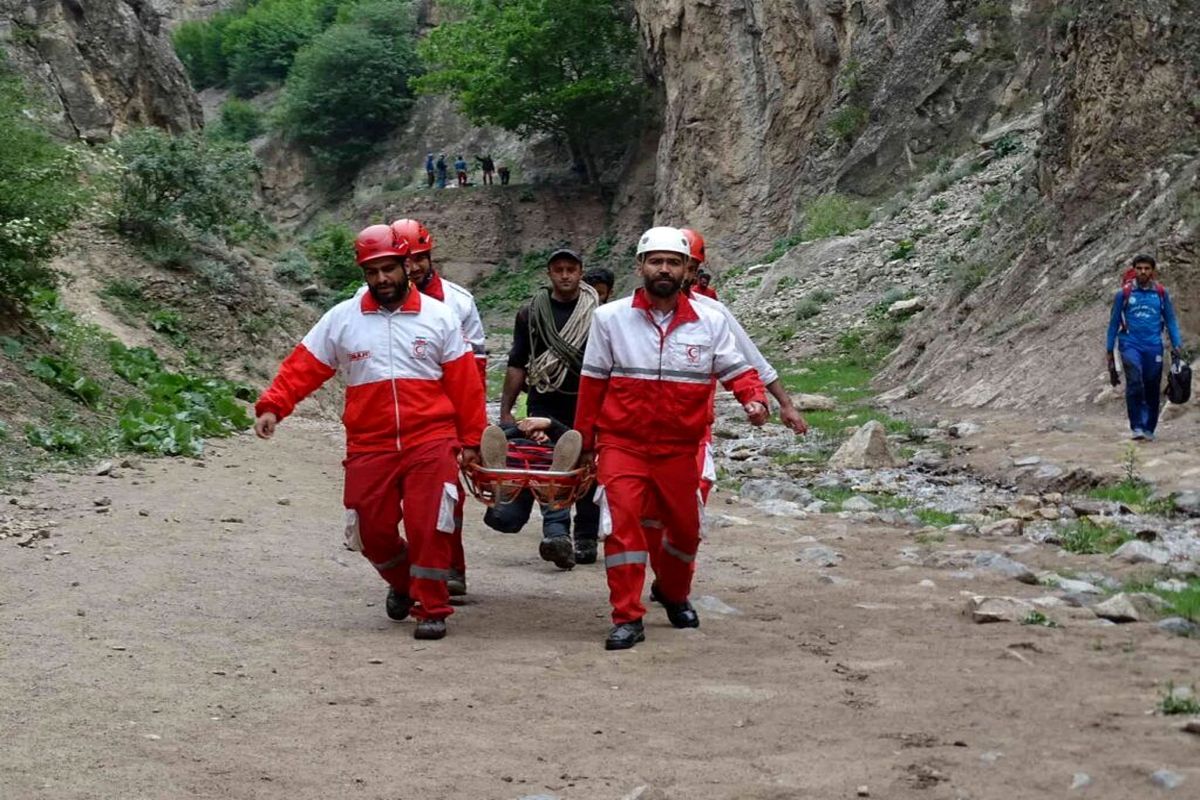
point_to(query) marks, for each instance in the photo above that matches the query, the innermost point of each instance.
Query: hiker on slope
(1140, 311)
(549, 336)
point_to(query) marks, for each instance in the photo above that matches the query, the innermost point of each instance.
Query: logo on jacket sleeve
(420, 347)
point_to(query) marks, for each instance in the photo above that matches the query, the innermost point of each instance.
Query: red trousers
(418, 484)
(650, 503)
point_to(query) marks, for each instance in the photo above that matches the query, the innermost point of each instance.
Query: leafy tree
(198, 45)
(173, 186)
(348, 89)
(40, 194)
(565, 67)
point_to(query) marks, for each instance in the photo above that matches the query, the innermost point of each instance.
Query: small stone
(230, 519)
(1192, 726)
(284, 501)
(1081, 780)
(101, 502)
(835, 580)
(1027, 461)
(143, 512)
(983, 609)
(374, 660)
(103, 509)
(1180, 626)
(961, 430)
(1166, 779)
(765, 489)
(1136, 551)
(1118, 608)
(1049, 512)
(863, 791)
(1002, 565)
(820, 556)
(116, 647)
(103, 468)
(903, 308)
(858, 503)
(1010, 526)
(813, 402)
(866, 449)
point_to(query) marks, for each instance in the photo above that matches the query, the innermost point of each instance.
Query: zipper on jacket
(392, 381)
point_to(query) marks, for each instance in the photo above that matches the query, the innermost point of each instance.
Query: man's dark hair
(1142, 258)
(599, 275)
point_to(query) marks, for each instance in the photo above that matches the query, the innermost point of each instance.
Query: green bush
(198, 45)
(847, 122)
(58, 438)
(834, 215)
(239, 122)
(40, 194)
(294, 267)
(173, 187)
(67, 378)
(903, 250)
(331, 250)
(349, 88)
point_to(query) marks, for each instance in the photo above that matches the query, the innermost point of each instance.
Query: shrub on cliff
(172, 187)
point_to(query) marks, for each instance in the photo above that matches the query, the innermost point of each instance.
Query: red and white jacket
(410, 377)
(648, 387)
(462, 303)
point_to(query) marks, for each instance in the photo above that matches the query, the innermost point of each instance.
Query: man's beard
(662, 287)
(395, 295)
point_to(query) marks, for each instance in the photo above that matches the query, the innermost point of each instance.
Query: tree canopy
(564, 67)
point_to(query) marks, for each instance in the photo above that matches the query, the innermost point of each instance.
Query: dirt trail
(203, 640)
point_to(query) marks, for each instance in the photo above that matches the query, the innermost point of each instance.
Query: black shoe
(430, 629)
(559, 550)
(625, 636)
(398, 605)
(456, 586)
(655, 595)
(681, 615)
(585, 551)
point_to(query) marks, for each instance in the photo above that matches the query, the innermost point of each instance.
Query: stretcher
(527, 468)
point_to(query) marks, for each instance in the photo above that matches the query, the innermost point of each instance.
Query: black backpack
(1179, 382)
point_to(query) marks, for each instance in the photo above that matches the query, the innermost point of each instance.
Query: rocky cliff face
(771, 102)
(104, 65)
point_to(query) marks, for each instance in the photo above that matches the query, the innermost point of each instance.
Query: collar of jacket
(411, 304)
(683, 308)
(434, 288)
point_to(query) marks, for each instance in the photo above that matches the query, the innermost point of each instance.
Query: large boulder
(866, 449)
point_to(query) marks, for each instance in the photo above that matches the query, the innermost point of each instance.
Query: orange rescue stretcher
(527, 468)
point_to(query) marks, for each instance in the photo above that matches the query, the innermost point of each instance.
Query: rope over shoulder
(548, 370)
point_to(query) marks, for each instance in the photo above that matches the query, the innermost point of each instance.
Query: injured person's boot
(566, 451)
(493, 448)
(559, 550)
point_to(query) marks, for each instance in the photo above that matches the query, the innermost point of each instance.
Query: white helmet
(671, 240)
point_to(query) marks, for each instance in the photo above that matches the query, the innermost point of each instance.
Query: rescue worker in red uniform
(644, 404)
(423, 275)
(413, 403)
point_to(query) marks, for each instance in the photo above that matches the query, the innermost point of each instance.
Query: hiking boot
(585, 551)
(566, 451)
(398, 605)
(1149, 436)
(681, 615)
(493, 448)
(625, 635)
(559, 550)
(1137, 434)
(457, 586)
(430, 629)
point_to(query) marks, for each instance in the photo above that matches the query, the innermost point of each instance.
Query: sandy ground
(203, 640)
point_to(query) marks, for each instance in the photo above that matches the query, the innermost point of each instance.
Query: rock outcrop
(103, 66)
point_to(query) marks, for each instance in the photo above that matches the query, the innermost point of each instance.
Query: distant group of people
(626, 385)
(437, 170)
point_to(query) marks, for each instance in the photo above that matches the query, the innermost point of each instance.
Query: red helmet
(418, 236)
(696, 241)
(378, 241)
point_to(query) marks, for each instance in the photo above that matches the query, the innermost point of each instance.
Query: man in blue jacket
(1140, 311)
